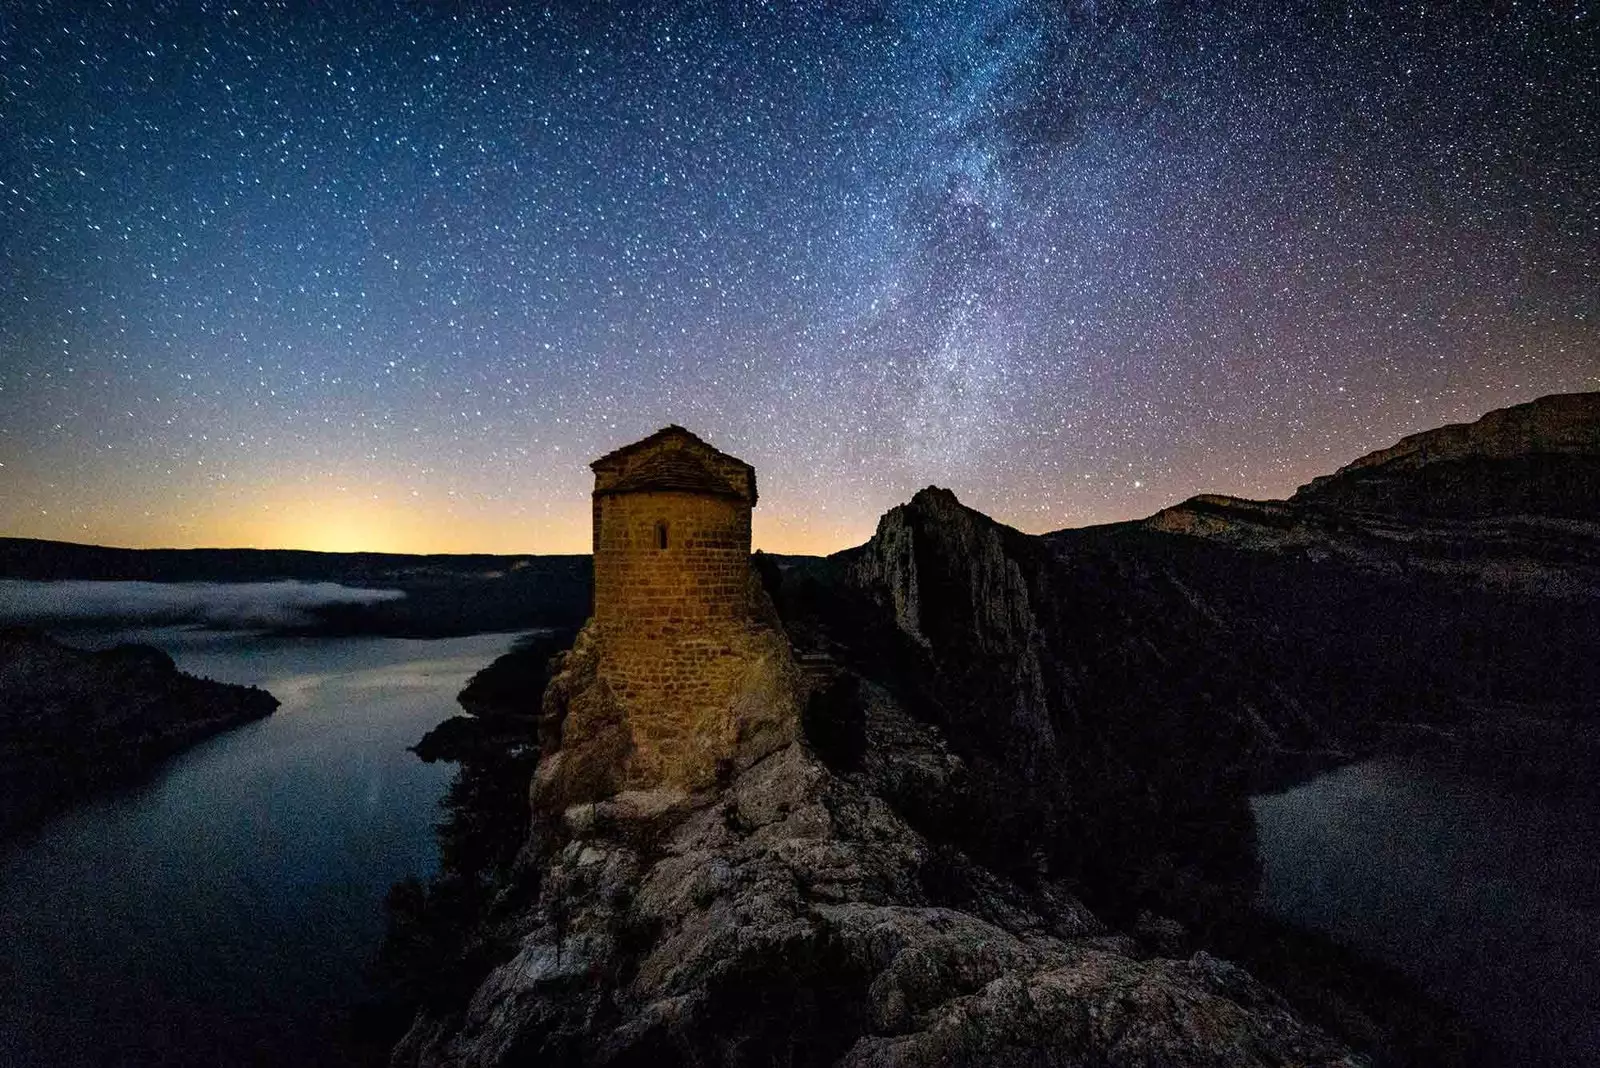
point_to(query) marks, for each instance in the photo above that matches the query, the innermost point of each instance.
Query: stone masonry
(683, 670)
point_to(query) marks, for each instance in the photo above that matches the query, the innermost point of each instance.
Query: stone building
(671, 540)
(683, 670)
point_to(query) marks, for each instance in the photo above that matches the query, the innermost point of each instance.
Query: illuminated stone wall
(688, 588)
(690, 670)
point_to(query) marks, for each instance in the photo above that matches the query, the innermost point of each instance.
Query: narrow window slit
(661, 535)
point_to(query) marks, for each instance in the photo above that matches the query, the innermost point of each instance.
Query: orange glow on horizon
(341, 523)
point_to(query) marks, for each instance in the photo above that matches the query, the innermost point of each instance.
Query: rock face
(795, 918)
(73, 721)
(1104, 712)
(1508, 504)
(1535, 458)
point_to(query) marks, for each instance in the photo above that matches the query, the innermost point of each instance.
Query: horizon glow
(388, 277)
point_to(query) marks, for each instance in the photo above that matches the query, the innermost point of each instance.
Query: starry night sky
(388, 276)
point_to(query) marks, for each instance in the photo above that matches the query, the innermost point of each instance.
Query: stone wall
(697, 582)
(674, 624)
(695, 707)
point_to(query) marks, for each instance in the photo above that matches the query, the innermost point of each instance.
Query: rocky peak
(936, 500)
(936, 545)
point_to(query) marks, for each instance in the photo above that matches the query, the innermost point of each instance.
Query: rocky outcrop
(1106, 714)
(73, 721)
(1535, 458)
(1508, 504)
(795, 918)
(903, 884)
(1525, 554)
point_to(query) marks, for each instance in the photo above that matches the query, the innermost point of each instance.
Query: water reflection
(224, 912)
(1490, 898)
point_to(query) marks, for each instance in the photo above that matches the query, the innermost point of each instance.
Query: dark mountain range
(1534, 459)
(1451, 582)
(443, 595)
(1508, 503)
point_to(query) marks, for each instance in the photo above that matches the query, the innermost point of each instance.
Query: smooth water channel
(224, 912)
(1488, 897)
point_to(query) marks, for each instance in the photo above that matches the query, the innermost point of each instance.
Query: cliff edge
(814, 905)
(1533, 458)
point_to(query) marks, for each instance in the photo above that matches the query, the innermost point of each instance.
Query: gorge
(1015, 826)
(963, 795)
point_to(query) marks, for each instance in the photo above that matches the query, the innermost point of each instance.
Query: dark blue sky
(388, 276)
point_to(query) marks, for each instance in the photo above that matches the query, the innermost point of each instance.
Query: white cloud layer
(220, 605)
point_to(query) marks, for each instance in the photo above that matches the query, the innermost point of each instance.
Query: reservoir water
(224, 911)
(1488, 897)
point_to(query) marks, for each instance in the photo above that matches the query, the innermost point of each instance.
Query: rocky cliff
(1073, 678)
(1012, 826)
(932, 873)
(1453, 579)
(795, 918)
(73, 721)
(1531, 459)
(1508, 504)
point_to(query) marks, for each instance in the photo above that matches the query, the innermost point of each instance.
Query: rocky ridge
(795, 918)
(1533, 457)
(1013, 825)
(886, 889)
(1450, 581)
(1509, 503)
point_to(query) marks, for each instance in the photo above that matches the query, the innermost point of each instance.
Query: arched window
(661, 534)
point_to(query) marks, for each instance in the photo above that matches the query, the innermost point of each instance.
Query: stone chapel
(691, 671)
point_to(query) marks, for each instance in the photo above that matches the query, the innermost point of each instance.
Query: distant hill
(1537, 458)
(1452, 579)
(37, 558)
(1510, 502)
(444, 594)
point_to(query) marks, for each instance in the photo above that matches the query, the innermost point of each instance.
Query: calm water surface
(1490, 898)
(223, 912)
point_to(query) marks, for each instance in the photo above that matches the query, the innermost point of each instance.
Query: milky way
(389, 277)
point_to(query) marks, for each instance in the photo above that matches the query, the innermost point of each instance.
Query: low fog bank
(217, 605)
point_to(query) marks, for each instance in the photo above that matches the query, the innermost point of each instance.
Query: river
(1489, 897)
(223, 912)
